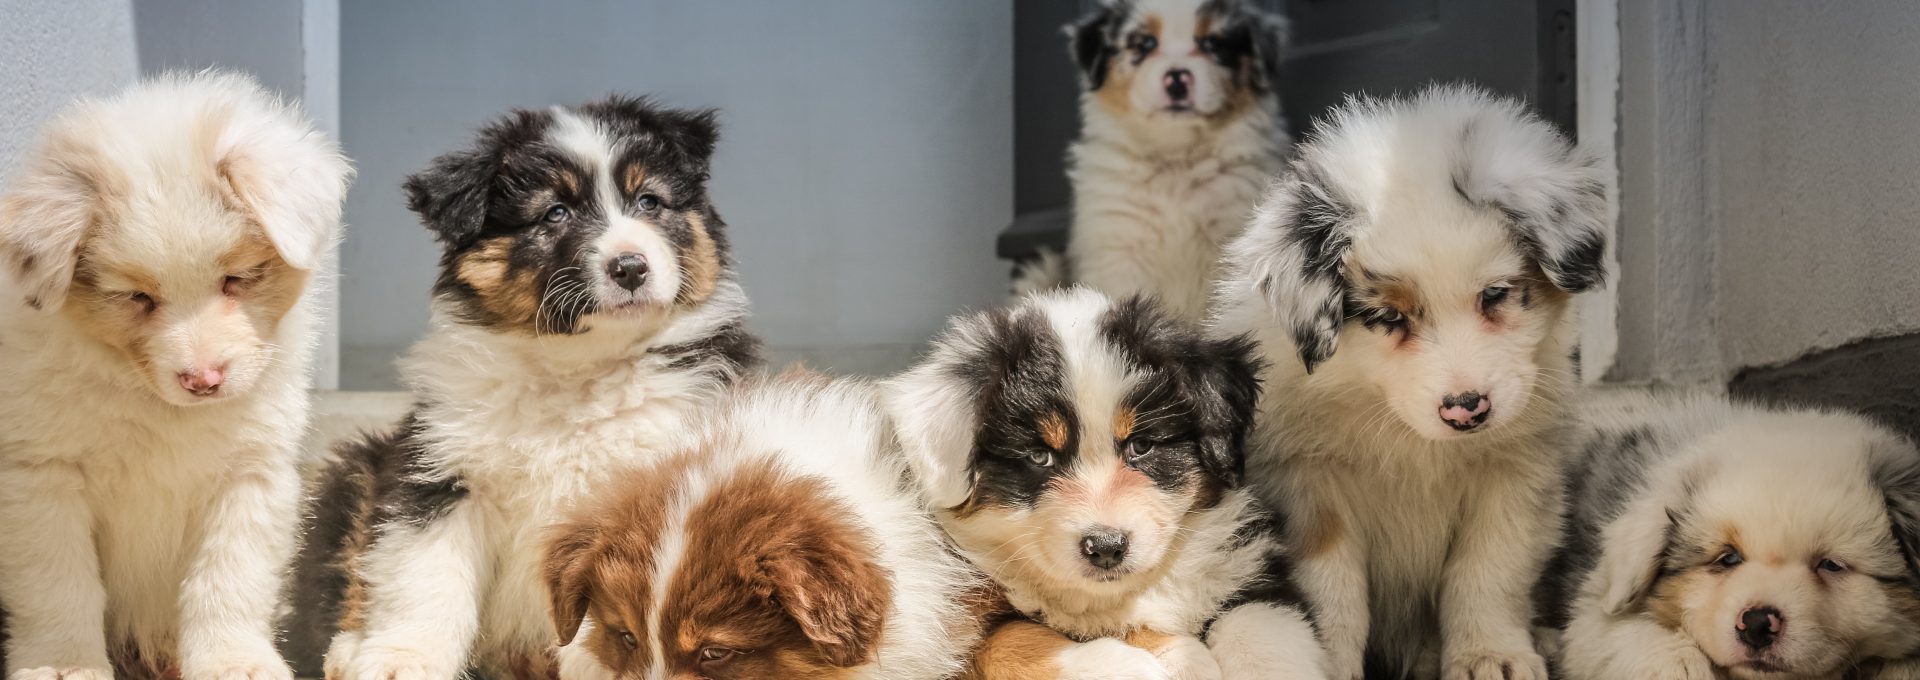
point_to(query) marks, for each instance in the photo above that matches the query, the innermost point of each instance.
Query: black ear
(696, 132)
(451, 195)
(1088, 40)
(1895, 466)
(1298, 238)
(1228, 379)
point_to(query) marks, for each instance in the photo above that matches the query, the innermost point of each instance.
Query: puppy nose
(628, 269)
(1104, 547)
(1466, 410)
(1759, 627)
(1179, 82)
(204, 381)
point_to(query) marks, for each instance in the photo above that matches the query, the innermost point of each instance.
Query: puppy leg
(1901, 669)
(1485, 598)
(1185, 657)
(232, 590)
(1261, 640)
(1024, 650)
(1603, 647)
(423, 607)
(50, 576)
(1332, 573)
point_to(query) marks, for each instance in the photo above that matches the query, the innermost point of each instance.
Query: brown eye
(143, 300)
(232, 285)
(1831, 566)
(716, 657)
(647, 202)
(557, 214)
(627, 638)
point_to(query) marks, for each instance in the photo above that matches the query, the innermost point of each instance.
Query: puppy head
(561, 220)
(1435, 242)
(1177, 60)
(1068, 438)
(177, 224)
(1783, 546)
(704, 573)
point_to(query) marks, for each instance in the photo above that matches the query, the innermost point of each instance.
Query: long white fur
(1429, 523)
(124, 517)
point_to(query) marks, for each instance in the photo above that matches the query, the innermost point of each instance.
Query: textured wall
(262, 38)
(863, 168)
(53, 51)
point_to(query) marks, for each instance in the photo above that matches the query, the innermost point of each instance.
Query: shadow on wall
(1879, 377)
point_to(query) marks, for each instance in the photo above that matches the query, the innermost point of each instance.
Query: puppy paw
(1904, 669)
(1110, 659)
(273, 669)
(1187, 658)
(387, 664)
(1680, 663)
(1488, 664)
(62, 673)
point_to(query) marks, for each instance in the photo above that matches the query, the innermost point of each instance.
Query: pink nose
(203, 381)
(1465, 411)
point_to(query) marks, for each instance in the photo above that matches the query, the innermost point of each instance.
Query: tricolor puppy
(1086, 454)
(1710, 539)
(780, 542)
(1180, 129)
(155, 344)
(585, 307)
(1409, 281)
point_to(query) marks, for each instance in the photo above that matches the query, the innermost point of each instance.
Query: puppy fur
(585, 307)
(154, 354)
(1086, 454)
(780, 542)
(1436, 242)
(1688, 514)
(1161, 184)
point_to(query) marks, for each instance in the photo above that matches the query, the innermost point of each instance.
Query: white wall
(54, 51)
(863, 170)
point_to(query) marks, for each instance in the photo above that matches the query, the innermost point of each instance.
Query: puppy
(1436, 242)
(1086, 454)
(1180, 130)
(779, 543)
(154, 355)
(1708, 539)
(585, 307)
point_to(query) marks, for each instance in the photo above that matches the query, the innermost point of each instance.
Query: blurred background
(875, 151)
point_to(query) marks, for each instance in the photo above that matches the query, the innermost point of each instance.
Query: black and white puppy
(1709, 539)
(1086, 454)
(1436, 242)
(585, 307)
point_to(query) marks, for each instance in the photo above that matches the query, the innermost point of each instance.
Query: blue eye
(1493, 295)
(1041, 458)
(1209, 44)
(1729, 559)
(648, 202)
(558, 213)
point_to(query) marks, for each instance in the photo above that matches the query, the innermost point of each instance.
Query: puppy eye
(627, 638)
(1144, 44)
(1209, 44)
(1140, 448)
(714, 657)
(648, 202)
(1041, 458)
(1493, 295)
(1385, 316)
(143, 300)
(1831, 566)
(1729, 559)
(232, 284)
(557, 214)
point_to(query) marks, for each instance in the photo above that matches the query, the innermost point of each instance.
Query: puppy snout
(1758, 627)
(629, 270)
(203, 381)
(1466, 410)
(1104, 547)
(1179, 84)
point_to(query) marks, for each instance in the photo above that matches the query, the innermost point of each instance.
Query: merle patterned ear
(1270, 42)
(1895, 466)
(1553, 194)
(1228, 378)
(1635, 545)
(1088, 40)
(1295, 244)
(934, 407)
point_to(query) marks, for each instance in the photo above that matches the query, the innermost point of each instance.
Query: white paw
(1109, 659)
(60, 673)
(1489, 664)
(1678, 663)
(391, 664)
(1187, 658)
(258, 669)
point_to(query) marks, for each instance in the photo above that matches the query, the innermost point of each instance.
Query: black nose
(1759, 627)
(1178, 82)
(1104, 547)
(628, 269)
(1466, 410)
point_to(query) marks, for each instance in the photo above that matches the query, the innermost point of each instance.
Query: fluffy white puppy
(1710, 539)
(1436, 241)
(153, 370)
(1180, 129)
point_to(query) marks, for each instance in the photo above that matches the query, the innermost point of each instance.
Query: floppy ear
(288, 176)
(46, 214)
(697, 132)
(934, 411)
(1895, 467)
(1087, 40)
(568, 568)
(1229, 380)
(451, 195)
(838, 598)
(1634, 546)
(1293, 250)
(1553, 194)
(1270, 42)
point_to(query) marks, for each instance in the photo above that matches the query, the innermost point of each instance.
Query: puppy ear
(697, 132)
(288, 176)
(1229, 380)
(1635, 545)
(1553, 194)
(837, 596)
(935, 413)
(568, 567)
(1895, 467)
(1270, 42)
(451, 195)
(1087, 40)
(45, 216)
(1293, 251)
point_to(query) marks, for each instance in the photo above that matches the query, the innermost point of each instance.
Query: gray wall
(863, 168)
(1770, 181)
(55, 50)
(260, 37)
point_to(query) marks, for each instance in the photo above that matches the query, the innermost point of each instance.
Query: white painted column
(320, 43)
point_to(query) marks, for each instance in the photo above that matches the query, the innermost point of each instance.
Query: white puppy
(1710, 539)
(153, 372)
(1436, 241)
